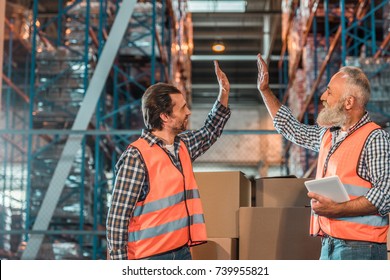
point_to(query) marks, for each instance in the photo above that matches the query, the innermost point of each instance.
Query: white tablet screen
(330, 187)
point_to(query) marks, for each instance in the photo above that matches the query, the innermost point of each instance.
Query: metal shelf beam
(81, 122)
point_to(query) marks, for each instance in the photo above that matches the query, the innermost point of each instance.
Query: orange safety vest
(344, 163)
(171, 215)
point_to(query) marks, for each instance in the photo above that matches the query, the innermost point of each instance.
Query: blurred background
(70, 96)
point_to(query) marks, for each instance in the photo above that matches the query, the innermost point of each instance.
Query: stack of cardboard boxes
(275, 228)
(222, 195)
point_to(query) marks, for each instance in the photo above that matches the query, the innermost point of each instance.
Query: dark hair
(155, 101)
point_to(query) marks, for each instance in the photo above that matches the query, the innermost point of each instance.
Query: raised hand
(263, 76)
(270, 100)
(223, 81)
(224, 85)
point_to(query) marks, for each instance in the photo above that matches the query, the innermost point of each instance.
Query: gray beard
(329, 117)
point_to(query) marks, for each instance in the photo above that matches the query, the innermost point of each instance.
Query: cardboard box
(388, 240)
(277, 234)
(222, 194)
(281, 192)
(388, 243)
(216, 249)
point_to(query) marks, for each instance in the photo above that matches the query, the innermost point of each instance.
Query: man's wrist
(264, 89)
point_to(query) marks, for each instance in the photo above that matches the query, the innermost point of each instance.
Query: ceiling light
(218, 46)
(213, 6)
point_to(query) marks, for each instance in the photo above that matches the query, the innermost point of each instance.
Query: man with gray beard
(352, 147)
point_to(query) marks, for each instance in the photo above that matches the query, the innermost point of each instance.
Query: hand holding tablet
(330, 187)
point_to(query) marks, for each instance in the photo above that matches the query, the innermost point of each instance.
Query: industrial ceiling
(244, 34)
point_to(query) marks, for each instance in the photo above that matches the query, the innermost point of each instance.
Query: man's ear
(349, 102)
(164, 117)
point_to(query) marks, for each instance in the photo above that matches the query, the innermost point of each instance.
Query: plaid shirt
(131, 184)
(374, 164)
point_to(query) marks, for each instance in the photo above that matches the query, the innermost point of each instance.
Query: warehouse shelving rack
(13, 148)
(359, 28)
(38, 140)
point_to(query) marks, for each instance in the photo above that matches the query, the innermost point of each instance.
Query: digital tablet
(330, 187)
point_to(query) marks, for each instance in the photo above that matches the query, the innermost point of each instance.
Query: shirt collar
(153, 139)
(365, 119)
(150, 138)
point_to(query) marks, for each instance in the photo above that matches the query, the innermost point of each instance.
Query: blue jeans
(338, 249)
(182, 253)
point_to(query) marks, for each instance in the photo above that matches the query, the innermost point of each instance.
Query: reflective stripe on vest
(171, 214)
(165, 202)
(165, 228)
(344, 162)
(371, 220)
(355, 191)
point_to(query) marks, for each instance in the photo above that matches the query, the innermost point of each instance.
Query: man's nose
(323, 96)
